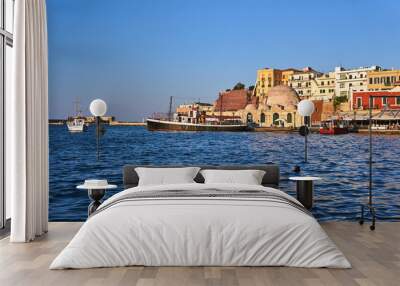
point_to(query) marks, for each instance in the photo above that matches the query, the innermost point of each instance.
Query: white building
(314, 85)
(323, 87)
(350, 80)
(302, 81)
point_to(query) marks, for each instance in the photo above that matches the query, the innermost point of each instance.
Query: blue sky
(135, 54)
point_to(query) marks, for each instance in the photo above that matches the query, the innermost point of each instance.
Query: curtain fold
(28, 123)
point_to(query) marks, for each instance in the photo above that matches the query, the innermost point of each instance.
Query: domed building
(278, 109)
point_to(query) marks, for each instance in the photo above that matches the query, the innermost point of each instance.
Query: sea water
(341, 161)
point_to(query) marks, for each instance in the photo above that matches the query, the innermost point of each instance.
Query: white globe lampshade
(305, 107)
(98, 107)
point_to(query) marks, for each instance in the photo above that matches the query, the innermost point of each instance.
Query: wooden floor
(375, 257)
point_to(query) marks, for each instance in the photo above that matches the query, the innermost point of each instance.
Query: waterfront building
(233, 100)
(277, 109)
(383, 79)
(389, 99)
(267, 78)
(323, 111)
(192, 113)
(230, 103)
(348, 81)
(303, 82)
(323, 87)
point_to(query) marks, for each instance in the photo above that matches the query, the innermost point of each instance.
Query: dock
(127, 123)
(275, 129)
(380, 132)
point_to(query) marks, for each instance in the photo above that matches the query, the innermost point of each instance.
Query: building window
(289, 118)
(262, 118)
(275, 118)
(249, 117)
(397, 100)
(350, 76)
(342, 85)
(384, 100)
(359, 102)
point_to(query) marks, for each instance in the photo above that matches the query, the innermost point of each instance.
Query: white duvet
(200, 231)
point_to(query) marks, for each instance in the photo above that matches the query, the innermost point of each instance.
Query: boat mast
(170, 109)
(220, 108)
(78, 111)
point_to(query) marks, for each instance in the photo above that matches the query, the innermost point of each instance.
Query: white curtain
(27, 123)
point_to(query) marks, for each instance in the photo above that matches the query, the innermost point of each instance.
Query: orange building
(233, 100)
(383, 79)
(268, 78)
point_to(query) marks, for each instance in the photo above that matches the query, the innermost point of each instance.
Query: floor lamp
(98, 108)
(369, 205)
(305, 109)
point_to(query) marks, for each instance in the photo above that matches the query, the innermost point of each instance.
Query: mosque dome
(250, 107)
(282, 95)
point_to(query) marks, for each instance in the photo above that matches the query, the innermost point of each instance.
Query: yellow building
(383, 79)
(268, 78)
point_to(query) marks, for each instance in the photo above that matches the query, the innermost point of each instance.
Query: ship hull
(154, 125)
(76, 128)
(334, 131)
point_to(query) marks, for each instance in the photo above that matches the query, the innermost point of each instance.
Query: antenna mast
(170, 109)
(78, 110)
(220, 108)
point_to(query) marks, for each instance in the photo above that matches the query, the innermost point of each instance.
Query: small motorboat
(334, 127)
(76, 125)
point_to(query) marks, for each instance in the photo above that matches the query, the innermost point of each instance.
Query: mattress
(201, 225)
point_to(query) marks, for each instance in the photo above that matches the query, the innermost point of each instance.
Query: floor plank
(375, 257)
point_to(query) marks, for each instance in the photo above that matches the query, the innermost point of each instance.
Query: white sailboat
(76, 123)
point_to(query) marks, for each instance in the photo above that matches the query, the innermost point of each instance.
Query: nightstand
(96, 190)
(305, 190)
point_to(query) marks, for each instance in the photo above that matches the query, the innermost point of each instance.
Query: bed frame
(270, 179)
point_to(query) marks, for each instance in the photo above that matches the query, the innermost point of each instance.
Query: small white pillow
(166, 176)
(248, 177)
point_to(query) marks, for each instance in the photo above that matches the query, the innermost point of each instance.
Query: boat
(333, 127)
(194, 119)
(156, 124)
(76, 125)
(77, 122)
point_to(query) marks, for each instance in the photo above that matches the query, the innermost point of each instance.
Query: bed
(199, 224)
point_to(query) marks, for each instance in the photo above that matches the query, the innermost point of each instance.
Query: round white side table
(95, 193)
(305, 190)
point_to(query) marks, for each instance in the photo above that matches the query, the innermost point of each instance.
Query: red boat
(333, 127)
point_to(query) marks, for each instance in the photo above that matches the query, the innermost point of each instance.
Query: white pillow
(248, 177)
(166, 176)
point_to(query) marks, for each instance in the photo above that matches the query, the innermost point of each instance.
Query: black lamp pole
(305, 139)
(370, 207)
(98, 136)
